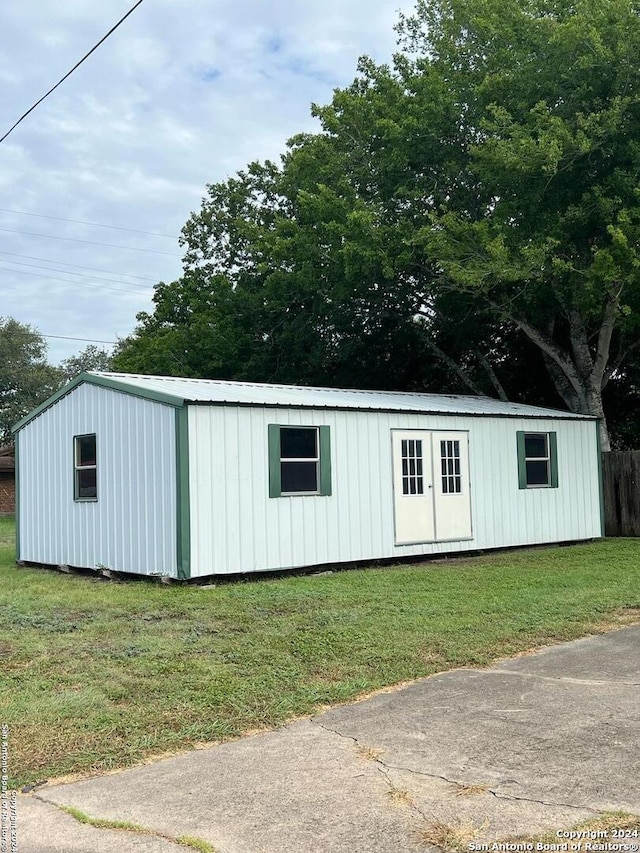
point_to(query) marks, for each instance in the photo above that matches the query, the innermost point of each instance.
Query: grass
(98, 675)
(450, 837)
(457, 837)
(126, 826)
(601, 826)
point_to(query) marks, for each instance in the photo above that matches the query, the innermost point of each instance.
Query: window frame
(78, 468)
(322, 460)
(450, 461)
(551, 459)
(412, 456)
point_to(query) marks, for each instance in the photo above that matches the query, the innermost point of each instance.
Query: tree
(542, 223)
(26, 378)
(90, 358)
(467, 217)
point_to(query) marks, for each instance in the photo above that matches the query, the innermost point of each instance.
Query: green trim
(522, 465)
(275, 474)
(103, 382)
(600, 478)
(325, 460)
(183, 509)
(553, 459)
(16, 457)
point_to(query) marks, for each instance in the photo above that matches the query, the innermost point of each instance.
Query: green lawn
(97, 674)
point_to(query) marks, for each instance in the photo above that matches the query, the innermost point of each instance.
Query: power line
(17, 334)
(69, 73)
(89, 242)
(70, 281)
(84, 340)
(144, 287)
(77, 266)
(92, 224)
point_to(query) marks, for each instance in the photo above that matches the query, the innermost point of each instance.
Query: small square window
(537, 462)
(299, 460)
(85, 465)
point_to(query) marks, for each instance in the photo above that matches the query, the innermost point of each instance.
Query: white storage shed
(188, 478)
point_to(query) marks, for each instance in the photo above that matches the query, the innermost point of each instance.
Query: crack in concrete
(381, 766)
(497, 794)
(185, 841)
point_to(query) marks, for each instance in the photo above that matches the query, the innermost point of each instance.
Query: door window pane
(450, 467)
(412, 467)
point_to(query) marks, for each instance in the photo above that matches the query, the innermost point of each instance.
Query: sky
(183, 94)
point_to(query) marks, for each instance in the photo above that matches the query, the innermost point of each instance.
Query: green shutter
(522, 466)
(275, 479)
(553, 459)
(325, 460)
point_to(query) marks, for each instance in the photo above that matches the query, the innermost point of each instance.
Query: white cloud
(183, 94)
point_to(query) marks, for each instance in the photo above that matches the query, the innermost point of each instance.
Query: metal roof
(219, 392)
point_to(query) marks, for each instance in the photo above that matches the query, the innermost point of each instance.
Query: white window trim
(315, 459)
(546, 459)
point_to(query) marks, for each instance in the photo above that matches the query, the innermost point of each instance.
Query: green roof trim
(183, 519)
(103, 382)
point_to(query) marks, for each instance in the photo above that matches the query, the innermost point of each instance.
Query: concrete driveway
(536, 743)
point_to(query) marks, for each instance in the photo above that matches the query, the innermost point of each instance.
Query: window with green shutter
(299, 460)
(537, 460)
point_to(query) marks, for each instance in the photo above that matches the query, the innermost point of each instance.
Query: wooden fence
(621, 482)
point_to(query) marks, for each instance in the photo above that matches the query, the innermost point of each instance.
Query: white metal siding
(236, 527)
(132, 525)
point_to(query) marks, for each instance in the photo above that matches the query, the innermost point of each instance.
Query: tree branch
(492, 376)
(457, 369)
(604, 341)
(553, 351)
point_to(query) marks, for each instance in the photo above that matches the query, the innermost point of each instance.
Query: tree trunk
(578, 379)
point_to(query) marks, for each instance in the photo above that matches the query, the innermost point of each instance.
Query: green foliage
(26, 378)
(485, 182)
(90, 358)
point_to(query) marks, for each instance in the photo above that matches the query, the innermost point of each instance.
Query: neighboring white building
(189, 478)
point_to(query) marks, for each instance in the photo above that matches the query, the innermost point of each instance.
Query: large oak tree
(468, 217)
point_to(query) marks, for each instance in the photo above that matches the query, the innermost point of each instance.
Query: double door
(431, 495)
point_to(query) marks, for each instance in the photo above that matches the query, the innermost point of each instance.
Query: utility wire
(70, 281)
(89, 242)
(19, 335)
(84, 340)
(77, 266)
(69, 73)
(144, 287)
(92, 224)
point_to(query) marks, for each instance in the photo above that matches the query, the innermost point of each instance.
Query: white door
(431, 486)
(412, 486)
(451, 497)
